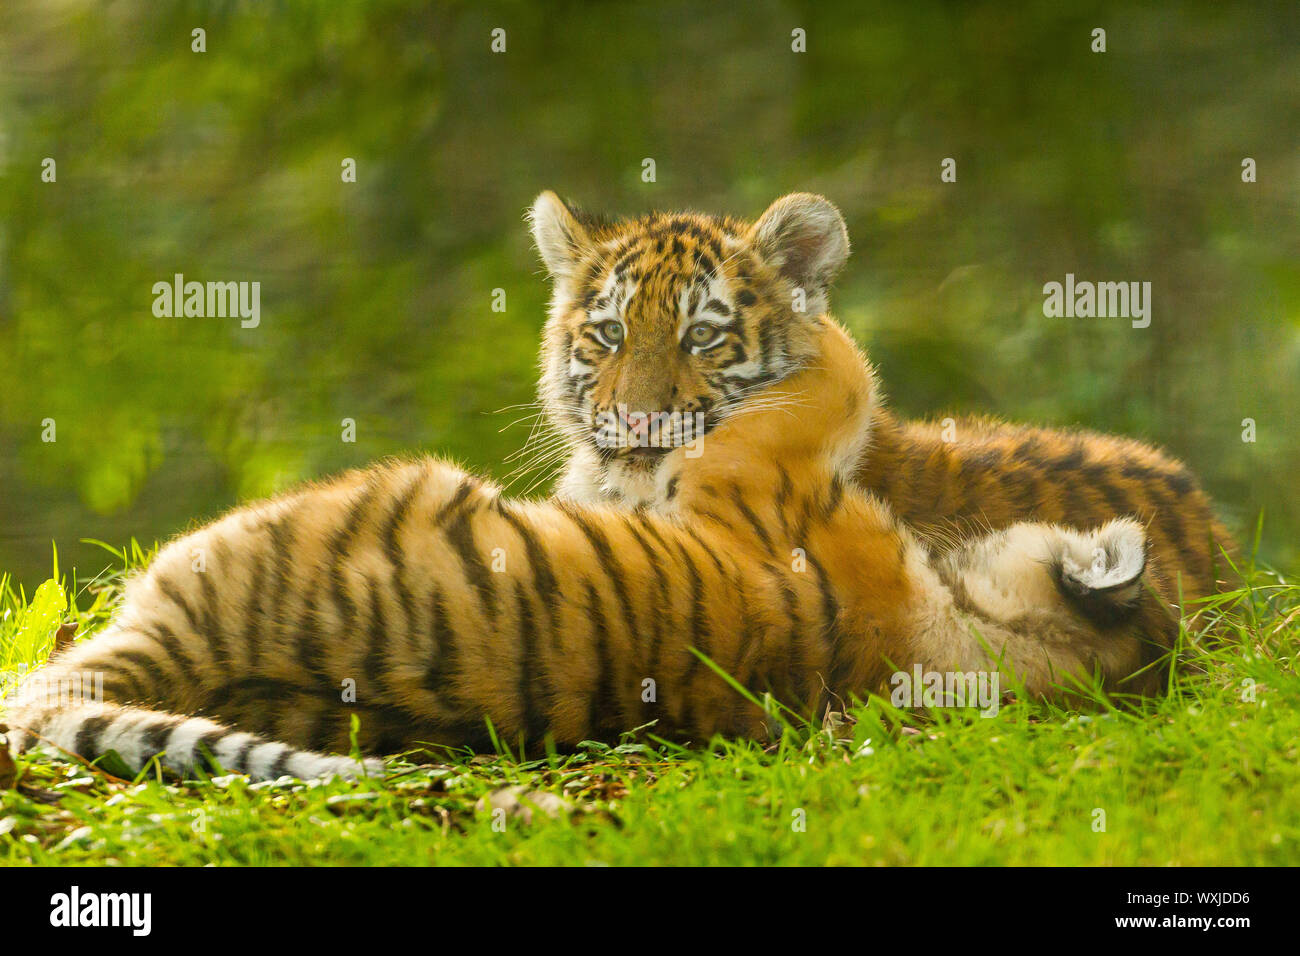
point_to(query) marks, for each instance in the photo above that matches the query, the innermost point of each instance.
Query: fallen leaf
(64, 636)
(838, 725)
(8, 770)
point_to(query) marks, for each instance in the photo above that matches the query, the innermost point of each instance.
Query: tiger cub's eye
(702, 335)
(610, 333)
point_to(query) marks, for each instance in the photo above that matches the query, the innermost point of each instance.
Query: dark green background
(376, 296)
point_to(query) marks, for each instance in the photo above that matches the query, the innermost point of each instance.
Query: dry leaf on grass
(838, 725)
(8, 770)
(65, 635)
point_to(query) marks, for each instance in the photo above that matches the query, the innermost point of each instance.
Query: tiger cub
(416, 597)
(679, 317)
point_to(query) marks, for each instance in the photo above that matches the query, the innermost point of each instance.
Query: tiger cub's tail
(182, 744)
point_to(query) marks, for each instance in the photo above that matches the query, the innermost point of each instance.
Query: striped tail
(181, 744)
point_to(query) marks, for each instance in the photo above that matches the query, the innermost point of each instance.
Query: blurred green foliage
(376, 296)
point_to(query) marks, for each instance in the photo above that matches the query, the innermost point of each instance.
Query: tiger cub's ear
(805, 238)
(559, 236)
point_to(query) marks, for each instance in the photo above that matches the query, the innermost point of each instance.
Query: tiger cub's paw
(1101, 571)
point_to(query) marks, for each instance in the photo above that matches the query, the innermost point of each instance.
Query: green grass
(1206, 775)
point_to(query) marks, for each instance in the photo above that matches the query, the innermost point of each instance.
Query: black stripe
(211, 629)
(460, 535)
(292, 694)
(254, 613)
(1099, 477)
(611, 566)
(830, 631)
(665, 600)
(378, 651)
(544, 582)
(749, 635)
(603, 708)
(750, 383)
(1022, 485)
(387, 735)
(716, 518)
(137, 691)
(116, 690)
(1179, 481)
(1167, 513)
(648, 524)
(738, 499)
(805, 519)
(173, 594)
(798, 669)
(535, 720)
(717, 562)
(319, 730)
(239, 763)
(467, 485)
(308, 645)
(784, 490)
(830, 606)
(393, 550)
(150, 667)
(699, 638)
(748, 629)
(280, 765)
(86, 743)
(338, 550)
(835, 500)
(153, 738)
(446, 659)
(163, 635)
(1071, 461)
(282, 558)
(205, 749)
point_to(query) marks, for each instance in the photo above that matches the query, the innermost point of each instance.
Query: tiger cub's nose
(637, 423)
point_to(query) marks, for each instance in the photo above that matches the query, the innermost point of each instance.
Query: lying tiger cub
(414, 596)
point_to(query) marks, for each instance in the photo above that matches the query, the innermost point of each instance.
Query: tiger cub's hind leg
(1086, 588)
(1102, 572)
(1030, 566)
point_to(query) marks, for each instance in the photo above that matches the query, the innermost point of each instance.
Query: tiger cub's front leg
(1040, 604)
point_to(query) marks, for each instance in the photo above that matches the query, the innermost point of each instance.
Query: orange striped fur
(762, 286)
(415, 597)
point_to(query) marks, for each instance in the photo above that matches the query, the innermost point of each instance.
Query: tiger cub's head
(660, 326)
